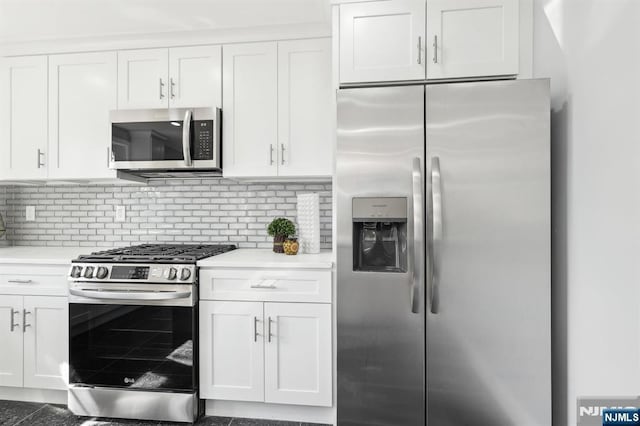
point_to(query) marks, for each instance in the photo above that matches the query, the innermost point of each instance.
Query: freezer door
(380, 151)
(488, 287)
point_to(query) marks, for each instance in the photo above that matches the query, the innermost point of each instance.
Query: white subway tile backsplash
(192, 211)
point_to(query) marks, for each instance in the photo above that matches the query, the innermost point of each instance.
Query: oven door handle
(130, 295)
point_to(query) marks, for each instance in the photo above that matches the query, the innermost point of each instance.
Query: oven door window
(147, 141)
(138, 347)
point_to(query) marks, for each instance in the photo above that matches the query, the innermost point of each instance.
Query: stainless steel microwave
(166, 142)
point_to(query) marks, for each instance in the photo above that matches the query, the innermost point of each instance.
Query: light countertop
(42, 255)
(266, 258)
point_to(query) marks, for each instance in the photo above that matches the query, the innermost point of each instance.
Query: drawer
(34, 280)
(268, 285)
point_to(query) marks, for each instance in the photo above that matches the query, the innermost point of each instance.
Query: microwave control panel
(203, 134)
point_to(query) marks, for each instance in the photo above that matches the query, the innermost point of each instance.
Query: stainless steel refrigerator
(443, 263)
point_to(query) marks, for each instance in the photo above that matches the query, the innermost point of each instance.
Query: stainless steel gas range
(133, 328)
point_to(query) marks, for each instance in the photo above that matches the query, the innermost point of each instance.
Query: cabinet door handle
(40, 155)
(420, 50)
(161, 89)
(435, 49)
(172, 85)
(282, 149)
(13, 314)
(19, 281)
(255, 329)
(24, 320)
(269, 329)
(271, 153)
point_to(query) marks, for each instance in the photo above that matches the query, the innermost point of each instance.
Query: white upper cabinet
(382, 41)
(304, 108)
(250, 111)
(195, 77)
(297, 359)
(278, 101)
(23, 118)
(181, 77)
(82, 91)
(472, 38)
(143, 79)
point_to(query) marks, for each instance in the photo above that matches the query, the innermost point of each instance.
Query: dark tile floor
(36, 414)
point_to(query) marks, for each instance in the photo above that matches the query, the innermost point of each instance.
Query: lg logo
(128, 380)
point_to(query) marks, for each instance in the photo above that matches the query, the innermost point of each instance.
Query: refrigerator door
(380, 314)
(488, 281)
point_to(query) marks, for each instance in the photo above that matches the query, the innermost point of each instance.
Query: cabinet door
(143, 80)
(250, 113)
(23, 118)
(231, 351)
(304, 108)
(195, 77)
(298, 353)
(471, 38)
(382, 41)
(82, 91)
(11, 337)
(46, 342)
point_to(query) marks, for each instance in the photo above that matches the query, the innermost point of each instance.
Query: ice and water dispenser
(380, 234)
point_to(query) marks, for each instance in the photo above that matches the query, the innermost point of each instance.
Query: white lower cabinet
(266, 352)
(297, 354)
(232, 351)
(34, 336)
(11, 337)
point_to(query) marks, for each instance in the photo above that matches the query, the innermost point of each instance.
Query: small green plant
(281, 227)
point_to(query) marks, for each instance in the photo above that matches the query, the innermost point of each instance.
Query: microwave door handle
(186, 138)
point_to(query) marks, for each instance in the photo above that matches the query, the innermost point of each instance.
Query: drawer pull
(18, 281)
(263, 286)
(272, 286)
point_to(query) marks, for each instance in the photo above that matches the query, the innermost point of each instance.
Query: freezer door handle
(436, 233)
(418, 236)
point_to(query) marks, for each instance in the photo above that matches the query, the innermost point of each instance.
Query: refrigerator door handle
(436, 234)
(418, 236)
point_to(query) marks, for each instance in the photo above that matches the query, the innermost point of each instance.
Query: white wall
(591, 50)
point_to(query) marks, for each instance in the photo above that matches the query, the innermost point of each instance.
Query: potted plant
(280, 228)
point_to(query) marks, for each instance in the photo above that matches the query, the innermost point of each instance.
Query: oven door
(171, 139)
(142, 345)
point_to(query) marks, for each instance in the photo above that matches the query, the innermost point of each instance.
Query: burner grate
(158, 253)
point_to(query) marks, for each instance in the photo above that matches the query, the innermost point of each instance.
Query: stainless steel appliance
(133, 332)
(167, 142)
(443, 239)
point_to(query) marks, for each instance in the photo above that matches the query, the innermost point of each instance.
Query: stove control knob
(102, 272)
(172, 273)
(185, 274)
(76, 271)
(88, 272)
